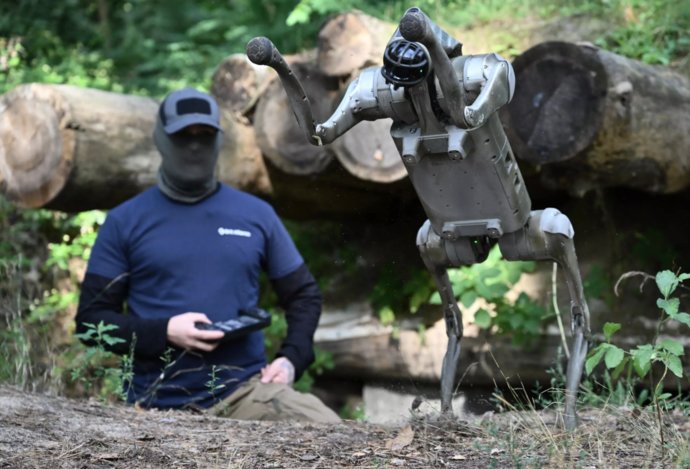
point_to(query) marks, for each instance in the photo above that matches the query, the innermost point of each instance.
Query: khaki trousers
(256, 401)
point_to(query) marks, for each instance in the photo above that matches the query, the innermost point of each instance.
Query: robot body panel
(482, 194)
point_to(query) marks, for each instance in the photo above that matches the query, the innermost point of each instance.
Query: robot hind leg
(438, 254)
(548, 235)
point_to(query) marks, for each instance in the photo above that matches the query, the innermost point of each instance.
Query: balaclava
(187, 171)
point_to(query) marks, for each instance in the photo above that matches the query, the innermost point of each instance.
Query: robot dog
(446, 128)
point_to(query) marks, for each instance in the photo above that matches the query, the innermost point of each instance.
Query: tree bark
(595, 119)
(74, 149)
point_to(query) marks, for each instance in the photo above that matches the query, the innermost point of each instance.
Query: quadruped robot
(446, 128)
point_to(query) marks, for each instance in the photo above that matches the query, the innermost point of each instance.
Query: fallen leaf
(359, 454)
(458, 457)
(403, 439)
(108, 456)
(496, 451)
(397, 462)
(308, 457)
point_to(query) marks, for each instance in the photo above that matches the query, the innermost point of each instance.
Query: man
(190, 250)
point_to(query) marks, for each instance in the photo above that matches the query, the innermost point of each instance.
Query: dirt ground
(38, 431)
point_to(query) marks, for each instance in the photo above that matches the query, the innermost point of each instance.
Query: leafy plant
(663, 351)
(654, 31)
(400, 292)
(98, 366)
(666, 352)
(37, 290)
(491, 280)
(213, 384)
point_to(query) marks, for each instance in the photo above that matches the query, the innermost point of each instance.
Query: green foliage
(137, 46)
(598, 284)
(32, 256)
(396, 291)
(213, 384)
(491, 280)
(666, 352)
(652, 247)
(96, 367)
(323, 361)
(150, 47)
(396, 295)
(656, 31)
(353, 412)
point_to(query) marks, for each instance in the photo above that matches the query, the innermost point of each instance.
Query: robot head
(405, 63)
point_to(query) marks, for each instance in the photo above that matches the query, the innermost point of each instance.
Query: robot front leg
(438, 254)
(548, 235)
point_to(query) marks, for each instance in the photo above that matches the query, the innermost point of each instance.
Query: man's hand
(183, 333)
(280, 371)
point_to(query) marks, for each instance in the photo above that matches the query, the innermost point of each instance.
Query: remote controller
(247, 321)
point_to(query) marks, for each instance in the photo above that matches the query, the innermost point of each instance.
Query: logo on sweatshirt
(232, 232)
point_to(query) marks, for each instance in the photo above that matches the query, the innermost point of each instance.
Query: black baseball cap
(186, 107)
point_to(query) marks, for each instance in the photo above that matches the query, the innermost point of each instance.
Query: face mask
(187, 171)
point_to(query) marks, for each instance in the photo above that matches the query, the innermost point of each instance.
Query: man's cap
(187, 107)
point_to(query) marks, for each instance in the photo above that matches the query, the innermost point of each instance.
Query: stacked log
(74, 149)
(582, 117)
(593, 119)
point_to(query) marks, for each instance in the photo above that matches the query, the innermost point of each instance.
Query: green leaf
(489, 273)
(683, 318)
(674, 364)
(516, 320)
(300, 14)
(491, 292)
(468, 298)
(482, 318)
(614, 356)
(642, 359)
(610, 328)
(669, 306)
(667, 282)
(672, 346)
(594, 359)
(386, 316)
(615, 374)
(435, 298)
(532, 326)
(110, 340)
(683, 277)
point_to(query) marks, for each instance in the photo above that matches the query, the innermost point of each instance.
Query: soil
(40, 431)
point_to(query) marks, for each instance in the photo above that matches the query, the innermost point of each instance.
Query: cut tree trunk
(368, 152)
(238, 83)
(351, 41)
(371, 352)
(595, 119)
(279, 137)
(74, 149)
(379, 355)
